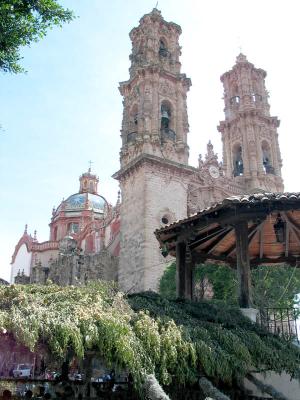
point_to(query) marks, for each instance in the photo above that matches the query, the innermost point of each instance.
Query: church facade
(83, 241)
(158, 186)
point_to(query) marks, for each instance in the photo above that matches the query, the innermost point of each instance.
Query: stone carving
(166, 89)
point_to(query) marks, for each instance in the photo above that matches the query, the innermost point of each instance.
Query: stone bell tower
(251, 152)
(154, 152)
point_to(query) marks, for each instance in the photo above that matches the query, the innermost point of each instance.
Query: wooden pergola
(262, 228)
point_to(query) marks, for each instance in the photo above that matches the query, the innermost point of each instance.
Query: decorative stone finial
(63, 205)
(156, 10)
(210, 148)
(200, 161)
(25, 230)
(34, 235)
(211, 156)
(119, 197)
(241, 58)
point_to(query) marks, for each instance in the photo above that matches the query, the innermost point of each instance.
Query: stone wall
(70, 269)
(153, 196)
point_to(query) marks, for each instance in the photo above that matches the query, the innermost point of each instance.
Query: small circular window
(165, 220)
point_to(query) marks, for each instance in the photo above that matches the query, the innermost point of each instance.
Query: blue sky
(67, 109)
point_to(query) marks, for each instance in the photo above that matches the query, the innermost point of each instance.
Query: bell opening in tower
(235, 100)
(163, 51)
(267, 160)
(238, 165)
(256, 98)
(166, 122)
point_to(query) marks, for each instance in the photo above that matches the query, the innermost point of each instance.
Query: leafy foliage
(227, 344)
(145, 334)
(272, 286)
(23, 22)
(275, 286)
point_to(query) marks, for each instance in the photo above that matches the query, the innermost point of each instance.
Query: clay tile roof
(211, 231)
(254, 198)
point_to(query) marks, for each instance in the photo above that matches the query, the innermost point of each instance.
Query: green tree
(272, 286)
(275, 286)
(23, 22)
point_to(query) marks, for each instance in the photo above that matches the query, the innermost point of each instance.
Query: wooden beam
(251, 234)
(199, 258)
(290, 224)
(243, 264)
(219, 239)
(292, 221)
(221, 217)
(207, 235)
(233, 216)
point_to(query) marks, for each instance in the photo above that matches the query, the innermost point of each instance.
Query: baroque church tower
(154, 152)
(91, 239)
(251, 155)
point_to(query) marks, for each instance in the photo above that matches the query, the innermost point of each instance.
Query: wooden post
(180, 268)
(243, 264)
(188, 275)
(184, 272)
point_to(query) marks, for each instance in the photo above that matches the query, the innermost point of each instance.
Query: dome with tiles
(81, 201)
(87, 198)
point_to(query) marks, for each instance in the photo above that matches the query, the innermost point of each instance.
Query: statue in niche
(200, 161)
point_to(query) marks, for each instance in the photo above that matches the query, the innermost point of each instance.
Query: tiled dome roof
(78, 201)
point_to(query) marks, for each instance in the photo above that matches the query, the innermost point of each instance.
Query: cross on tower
(239, 42)
(90, 165)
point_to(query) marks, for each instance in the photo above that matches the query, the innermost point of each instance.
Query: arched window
(238, 165)
(266, 157)
(91, 186)
(235, 100)
(166, 121)
(165, 115)
(73, 227)
(163, 50)
(256, 98)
